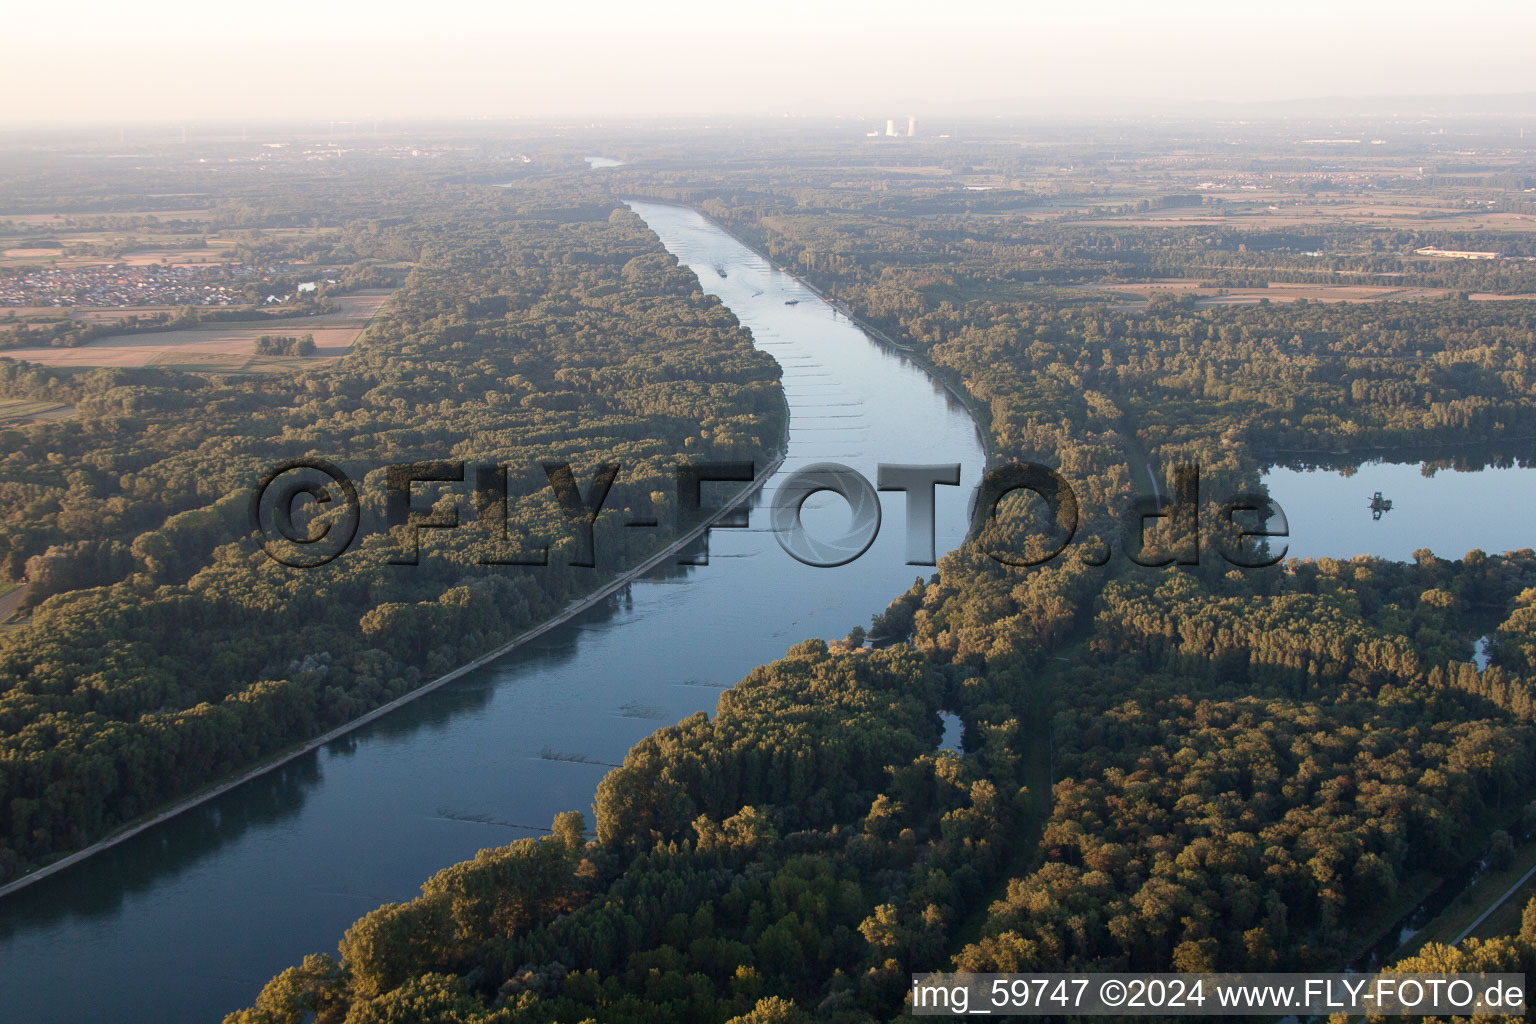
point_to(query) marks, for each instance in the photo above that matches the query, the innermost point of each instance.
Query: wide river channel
(186, 921)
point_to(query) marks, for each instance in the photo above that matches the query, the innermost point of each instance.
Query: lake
(1448, 511)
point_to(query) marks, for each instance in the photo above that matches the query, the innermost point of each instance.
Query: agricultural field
(15, 411)
(63, 220)
(226, 347)
(1264, 217)
(11, 596)
(217, 251)
(1281, 291)
(98, 314)
(174, 238)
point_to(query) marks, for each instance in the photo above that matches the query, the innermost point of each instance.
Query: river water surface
(187, 920)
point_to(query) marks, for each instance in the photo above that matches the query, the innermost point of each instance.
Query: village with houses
(127, 285)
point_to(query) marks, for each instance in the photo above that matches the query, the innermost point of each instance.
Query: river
(187, 920)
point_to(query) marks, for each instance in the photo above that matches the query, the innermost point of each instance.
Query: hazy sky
(152, 60)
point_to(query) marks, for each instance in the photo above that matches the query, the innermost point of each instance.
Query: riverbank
(571, 610)
(983, 435)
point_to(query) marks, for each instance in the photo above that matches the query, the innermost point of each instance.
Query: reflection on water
(1480, 655)
(1438, 506)
(954, 732)
(121, 870)
(186, 921)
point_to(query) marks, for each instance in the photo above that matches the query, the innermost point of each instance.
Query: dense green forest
(164, 649)
(285, 345)
(1220, 802)
(1187, 768)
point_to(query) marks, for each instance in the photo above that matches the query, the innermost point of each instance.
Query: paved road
(1495, 905)
(10, 602)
